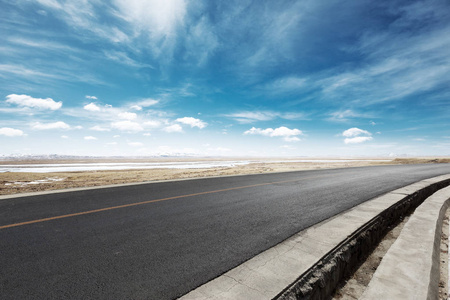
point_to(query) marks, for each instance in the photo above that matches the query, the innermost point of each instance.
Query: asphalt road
(160, 240)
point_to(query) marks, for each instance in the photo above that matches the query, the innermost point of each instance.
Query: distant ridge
(75, 157)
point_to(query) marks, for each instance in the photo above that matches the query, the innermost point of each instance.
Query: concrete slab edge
(412, 263)
(311, 263)
(322, 278)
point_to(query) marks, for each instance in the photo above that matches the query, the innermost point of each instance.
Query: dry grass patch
(13, 183)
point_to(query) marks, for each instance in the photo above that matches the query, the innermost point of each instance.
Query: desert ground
(21, 182)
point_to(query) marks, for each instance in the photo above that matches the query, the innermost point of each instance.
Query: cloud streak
(246, 117)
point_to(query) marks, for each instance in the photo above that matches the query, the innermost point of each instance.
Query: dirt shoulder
(16, 182)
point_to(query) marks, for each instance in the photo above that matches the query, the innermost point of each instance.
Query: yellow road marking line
(138, 203)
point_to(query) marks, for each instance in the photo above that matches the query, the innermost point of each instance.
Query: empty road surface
(160, 240)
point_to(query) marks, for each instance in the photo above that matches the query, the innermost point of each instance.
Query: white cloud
(91, 107)
(355, 136)
(127, 126)
(357, 140)
(28, 101)
(99, 128)
(193, 122)
(289, 135)
(64, 137)
(49, 126)
(91, 97)
(6, 131)
(147, 134)
(135, 144)
(152, 124)
(173, 128)
(90, 138)
(284, 131)
(352, 132)
(127, 115)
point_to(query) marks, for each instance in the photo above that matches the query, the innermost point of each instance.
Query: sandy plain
(18, 182)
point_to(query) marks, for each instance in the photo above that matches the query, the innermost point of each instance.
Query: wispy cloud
(246, 117)
(39, 74)
(398, 64)
(347, 115)
(124, 58)
(285, 85)
(139, 105)
(41, 44)
(23, 71)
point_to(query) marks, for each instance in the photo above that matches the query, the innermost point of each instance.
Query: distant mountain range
(69, 157)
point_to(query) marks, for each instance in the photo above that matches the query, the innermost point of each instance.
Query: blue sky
(231, 78)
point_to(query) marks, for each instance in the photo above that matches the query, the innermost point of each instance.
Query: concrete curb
(322, 254)
(410, 269)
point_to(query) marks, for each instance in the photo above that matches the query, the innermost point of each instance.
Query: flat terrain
(161, 240)
(13, 183)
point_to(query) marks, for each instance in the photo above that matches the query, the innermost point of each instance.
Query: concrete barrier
(410, 269)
